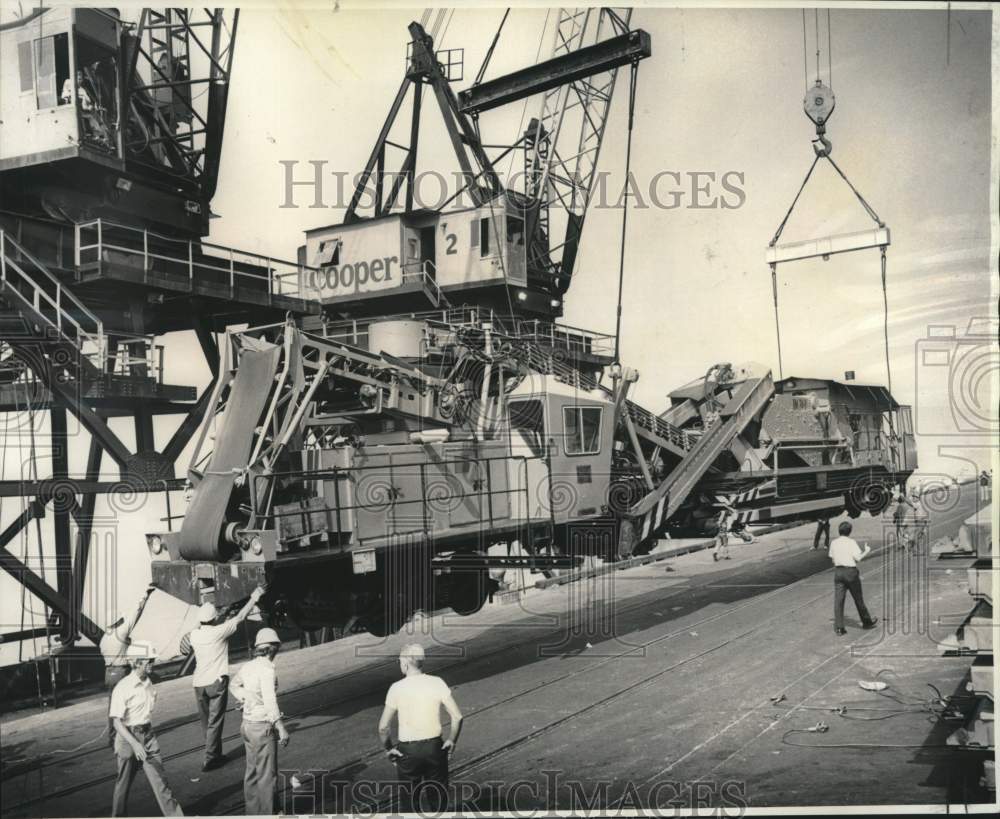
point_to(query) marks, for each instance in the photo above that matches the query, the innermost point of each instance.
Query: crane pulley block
(818, 104)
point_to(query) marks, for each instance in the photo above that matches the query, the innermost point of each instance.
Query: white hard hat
(206, 613)
(266, 636)
(141, 650)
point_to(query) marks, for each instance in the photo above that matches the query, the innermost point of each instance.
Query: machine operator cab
(60, 87)
(379, 265)
(561, 441)
(63, 90)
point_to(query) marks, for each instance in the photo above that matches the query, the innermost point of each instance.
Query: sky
(722, 93)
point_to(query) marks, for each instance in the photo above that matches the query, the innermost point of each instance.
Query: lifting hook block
(822, 146)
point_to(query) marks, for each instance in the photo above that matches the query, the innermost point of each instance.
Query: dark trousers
(128, 767)
(847, 579)
(212, 700)
(423, 762)
(822, 533)
(260, 741)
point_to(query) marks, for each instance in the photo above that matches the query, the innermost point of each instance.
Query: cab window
(582, 430)
(50, 71)
(527, 421)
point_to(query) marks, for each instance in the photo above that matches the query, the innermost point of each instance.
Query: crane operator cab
(98, 118)
(391, 262)
(60, 89)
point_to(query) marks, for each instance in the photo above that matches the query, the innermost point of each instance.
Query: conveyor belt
(249, 392)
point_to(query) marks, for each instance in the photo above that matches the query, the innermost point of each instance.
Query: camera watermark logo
(956, 373)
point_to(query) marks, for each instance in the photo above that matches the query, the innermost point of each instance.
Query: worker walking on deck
(845, 554)
(722, 536)
(822, 533)
(419, 754)
(903, 507)
(132, 704)
(255, 687)
(114, 648)
(210, 644)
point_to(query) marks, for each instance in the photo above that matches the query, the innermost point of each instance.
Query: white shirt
(844, 551)
(133, 700)
(255, 687)
(417, 700)
(211, 651)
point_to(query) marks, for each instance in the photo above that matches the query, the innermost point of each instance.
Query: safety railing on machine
(202, 262)
(677, 436)
(137, 355)
(423, 273)
(573, 340)
(436, 494)
(50, 300)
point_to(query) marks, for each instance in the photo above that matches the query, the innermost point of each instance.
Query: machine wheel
(468, 588)
(387, 617)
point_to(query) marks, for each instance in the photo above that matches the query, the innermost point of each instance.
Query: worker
(903, 538)
(419, 754)
(132, 704)
(845, 554)
(722, 536)
(114, 648)
(822, 533)
(255, 687)
(210, 644)
(83, 94)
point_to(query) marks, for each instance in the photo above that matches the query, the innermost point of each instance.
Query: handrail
(336, 473)
(418, 271)
(95, 337)
(226, 264)
(551, 334)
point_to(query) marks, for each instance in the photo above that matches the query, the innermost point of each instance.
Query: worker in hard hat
(419, 754)
(721, 551)
(255, 688)
(114, 645)
(210, 644)
(132, 704)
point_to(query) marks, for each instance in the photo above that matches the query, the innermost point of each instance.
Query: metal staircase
(660, 427)
(748, 399)
(53, 316)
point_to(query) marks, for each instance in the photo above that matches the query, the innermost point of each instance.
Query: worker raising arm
(210, 644)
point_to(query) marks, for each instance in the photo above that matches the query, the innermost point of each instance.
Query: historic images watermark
(312, 184)
(318, 792)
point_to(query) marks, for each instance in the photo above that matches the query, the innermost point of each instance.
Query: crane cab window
(329, 252)
(43, 64)
(527, 423)
(515, 231)
(484, 237)
(582, 430)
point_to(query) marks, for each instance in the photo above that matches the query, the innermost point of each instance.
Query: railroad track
(508, 646)
(205, 802)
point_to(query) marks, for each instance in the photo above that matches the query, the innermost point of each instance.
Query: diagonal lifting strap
(774, 265)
